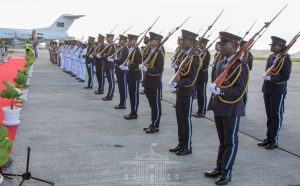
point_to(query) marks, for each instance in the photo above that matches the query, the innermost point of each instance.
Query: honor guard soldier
(202, 80)
(119, 59)
(247, 57)
(228, 106)
(82, 68)
(152, 81)
(99, 64)
(217, 58)
(89, 62)
(109, 66)
(177, 58)
(185, 88)
(275, 90)
(146, 49)
(133, 75)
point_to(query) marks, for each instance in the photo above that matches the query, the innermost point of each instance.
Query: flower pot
(11, 116)
(1, 180)
(24, 94)
(30, 71)
(28, 81)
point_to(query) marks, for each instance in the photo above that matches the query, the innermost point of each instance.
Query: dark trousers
(201, 96)
(184, 122)
(227, 129)
(153, 96)
(109, 72)
(133, 88)
(100, 75)
(122, 85)
(274, 105)
(90, 71)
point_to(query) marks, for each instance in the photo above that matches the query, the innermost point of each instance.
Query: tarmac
(77, 139)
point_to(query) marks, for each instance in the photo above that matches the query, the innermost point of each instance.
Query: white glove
(172, 84)
(98, 56)
(110, 59)
(91, 56)
(122, 67)
(266, 77)
(143, 68)
(116, 57)
(214, 89)
(174, 66)
(212, 65)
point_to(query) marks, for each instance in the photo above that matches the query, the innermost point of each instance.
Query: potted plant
(21, 83)
(5, 147)
(29, 61)
(11, 113)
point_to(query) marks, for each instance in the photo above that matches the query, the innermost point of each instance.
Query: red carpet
(8, 71)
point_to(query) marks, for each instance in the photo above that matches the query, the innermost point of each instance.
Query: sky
(102, 16)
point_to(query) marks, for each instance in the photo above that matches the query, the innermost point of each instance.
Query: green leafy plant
(10, 93)
(23, 71)
(5, 146)
(21, 80)
(30, 57)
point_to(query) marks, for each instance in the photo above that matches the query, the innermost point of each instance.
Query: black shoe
(264, 143)
(98, 92)
(213, 174)
(107, 99)
(88, 87)
(183, 152)
(81, 81)
(176, 149)
(174, 92)
(152, 130)
(146, 128)
(77, 78)
(73, 75)
(120, 107)
(223, 179)
(199, 115)
(272, 146)
(131, 116)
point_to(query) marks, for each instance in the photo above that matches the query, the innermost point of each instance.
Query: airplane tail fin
(64, 22)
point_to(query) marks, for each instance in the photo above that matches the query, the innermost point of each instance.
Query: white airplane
(58, 30)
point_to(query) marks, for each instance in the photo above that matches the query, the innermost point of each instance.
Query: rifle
(247, 32)
(280, 56)
(114, 29)
(112, 42)
(121, 48)
(139, 42)
(185, 60)
(159, 47)
(224, 74)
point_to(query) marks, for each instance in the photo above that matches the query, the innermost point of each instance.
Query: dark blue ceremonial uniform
(248, 59)
(122, 74)
(90, 66)
(228, 107)
(202, 83)
(274, 92)
(100, 69)
(153, 85)
(109, 70)
(133, 79)
(217, 58)
(184, 100)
